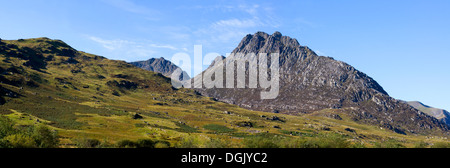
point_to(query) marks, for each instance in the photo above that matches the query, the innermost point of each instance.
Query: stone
(137, 116)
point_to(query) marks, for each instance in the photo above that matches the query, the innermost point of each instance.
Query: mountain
(160, 65)
(440, 114)
(310, 83)
(51, 80)
(90, 101)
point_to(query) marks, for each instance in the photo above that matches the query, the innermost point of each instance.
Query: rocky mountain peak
(263, 42)
(160, 65)
(310, 83)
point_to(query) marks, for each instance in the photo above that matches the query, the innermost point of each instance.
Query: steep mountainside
(159, 65)
(440, 114)
(309, 83)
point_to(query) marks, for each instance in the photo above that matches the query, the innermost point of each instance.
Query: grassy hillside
(91, 101)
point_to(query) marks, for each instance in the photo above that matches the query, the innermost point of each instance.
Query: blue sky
(402, 44)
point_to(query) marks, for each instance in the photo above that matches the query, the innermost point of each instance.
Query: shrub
(145, 143)
(4, 144)
(162, 144)
(115, 93)
(88, 143)
(126, 144)
(189, 142)
(19, 137)
(6, 127)
(142, 143)
(20, 141)
(244, 124)
(44, 137)
(217, 143)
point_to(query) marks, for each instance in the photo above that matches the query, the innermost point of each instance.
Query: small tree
(87, 143)
(145, 143)
(44, 137)
(20, 141)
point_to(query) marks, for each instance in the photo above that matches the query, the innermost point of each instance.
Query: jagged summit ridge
(263, 42)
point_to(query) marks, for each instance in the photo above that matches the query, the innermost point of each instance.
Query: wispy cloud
(255, 17)
(163, 46)
(110, 44)
(119, 44)
(250, 9)
(237, 23)
(131, 6)
(132, 50)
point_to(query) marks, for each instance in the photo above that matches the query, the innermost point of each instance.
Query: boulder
(137, 116)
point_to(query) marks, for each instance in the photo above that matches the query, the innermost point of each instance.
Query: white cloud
(130, 6)
(228, 30)
(255, 17)
(110, 44)
(163, 46)
(238, 23)
(132, 50)
(119, 44)
(250, 9)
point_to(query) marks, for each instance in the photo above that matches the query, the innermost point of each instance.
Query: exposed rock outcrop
(160, 65)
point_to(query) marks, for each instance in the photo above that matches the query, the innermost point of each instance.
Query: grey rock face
(309, 83)
(159, 65)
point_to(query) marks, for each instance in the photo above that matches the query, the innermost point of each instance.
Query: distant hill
(160, 65)
(440, 114)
